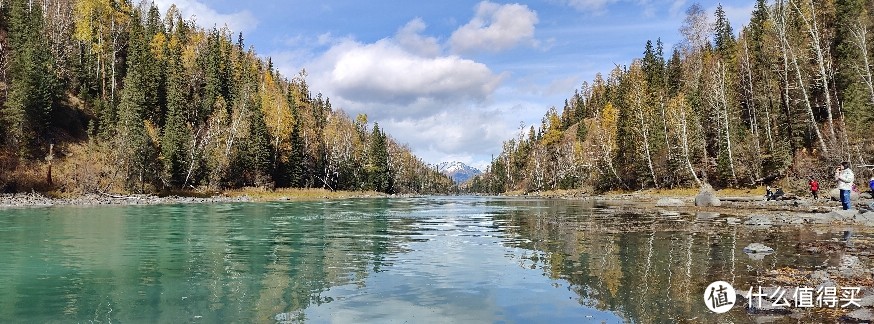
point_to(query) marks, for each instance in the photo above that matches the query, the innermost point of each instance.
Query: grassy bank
(260, 194)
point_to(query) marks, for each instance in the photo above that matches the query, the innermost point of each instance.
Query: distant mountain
(459, 172)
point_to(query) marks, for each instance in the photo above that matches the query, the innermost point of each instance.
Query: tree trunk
(859, 34)
(726, 124)
(813, 30)
(684, 139)
(780, 26)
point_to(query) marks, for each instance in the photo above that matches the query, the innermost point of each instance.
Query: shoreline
(37, 199)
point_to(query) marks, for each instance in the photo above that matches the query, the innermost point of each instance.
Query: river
(423, 260)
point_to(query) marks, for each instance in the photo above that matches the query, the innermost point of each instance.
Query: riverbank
(748, 210)
(35, 199)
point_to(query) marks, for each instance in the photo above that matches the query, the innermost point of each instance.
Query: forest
(110, 96)
(787, 98)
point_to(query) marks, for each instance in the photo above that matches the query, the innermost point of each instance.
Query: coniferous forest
(115, 96)
(786, 97)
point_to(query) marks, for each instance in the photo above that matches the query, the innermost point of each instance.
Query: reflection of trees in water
(212, 262)
(643, 267)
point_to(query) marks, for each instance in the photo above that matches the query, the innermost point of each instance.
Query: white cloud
(386, 73)
(243, 21)
(589, 6)
(495, 28)
(677, 8)
(410, 39)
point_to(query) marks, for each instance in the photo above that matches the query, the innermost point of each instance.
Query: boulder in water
(707, 197)
(669, 202)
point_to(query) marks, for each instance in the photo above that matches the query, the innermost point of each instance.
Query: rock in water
(707, 197)
(758, 248)
(860, 315)
(669, 202)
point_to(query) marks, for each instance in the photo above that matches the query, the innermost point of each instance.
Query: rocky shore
(39, 200)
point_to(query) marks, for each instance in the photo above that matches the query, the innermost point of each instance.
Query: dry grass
(260, 194)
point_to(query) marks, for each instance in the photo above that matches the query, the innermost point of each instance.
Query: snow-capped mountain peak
(458, 171)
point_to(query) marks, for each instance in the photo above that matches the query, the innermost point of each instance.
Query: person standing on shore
(814, 188)
(845, 178)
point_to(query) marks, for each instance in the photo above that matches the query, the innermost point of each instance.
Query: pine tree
(723, 35)
(177, 134)
(32, 82)
(296, 157)
(380, 175)
(135, 146)
(259, 149)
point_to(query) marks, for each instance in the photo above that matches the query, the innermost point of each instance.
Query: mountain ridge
(458, 171)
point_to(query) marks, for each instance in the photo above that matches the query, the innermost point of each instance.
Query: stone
(759, 220)
(791, 219)
(706, 216)
(819, 276)
(669, 202)
(757, 248)
(860, 315)
(757, 251)
(867, 301)
(707, 197)
(842, 215)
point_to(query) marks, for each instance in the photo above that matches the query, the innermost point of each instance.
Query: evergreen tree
(177, 134)
(135, 144)
(380, 176)
(32, 82)
(723, 35)
(296, 157)
(259, 149)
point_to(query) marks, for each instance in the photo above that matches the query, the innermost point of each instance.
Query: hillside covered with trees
(788, 97)
(113, 96)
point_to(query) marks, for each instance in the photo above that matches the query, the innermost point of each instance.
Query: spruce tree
(380, 174)
(296, 157)
(259, 148)
(135, 146)
(177, 134)
(723, 35)
(32, 81)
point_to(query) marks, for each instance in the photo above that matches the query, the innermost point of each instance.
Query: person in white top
(845, 177)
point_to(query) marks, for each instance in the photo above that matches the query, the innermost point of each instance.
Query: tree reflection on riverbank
(440, 259)
(651, 266)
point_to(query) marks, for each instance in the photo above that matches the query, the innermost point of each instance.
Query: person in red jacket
(814, 188)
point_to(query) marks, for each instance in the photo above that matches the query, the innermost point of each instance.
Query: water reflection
(647, 267)
(440, 260)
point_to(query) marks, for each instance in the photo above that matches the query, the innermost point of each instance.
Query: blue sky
(452, 79)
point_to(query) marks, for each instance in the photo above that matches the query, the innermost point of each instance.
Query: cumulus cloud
(410, 39)
(453, 135)
(495, 28)
(243, 21)
(386, 73)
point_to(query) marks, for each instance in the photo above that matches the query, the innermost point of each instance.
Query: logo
(719, 297)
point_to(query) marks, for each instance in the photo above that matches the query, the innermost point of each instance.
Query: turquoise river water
(421, 260)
